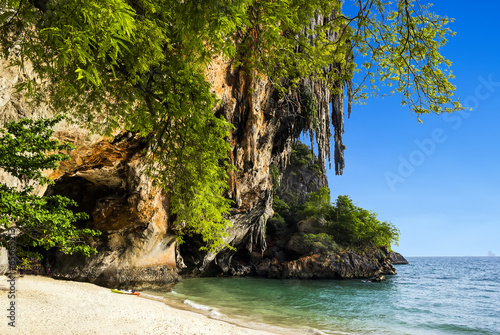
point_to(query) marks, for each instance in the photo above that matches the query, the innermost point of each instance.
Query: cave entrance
(85, 193)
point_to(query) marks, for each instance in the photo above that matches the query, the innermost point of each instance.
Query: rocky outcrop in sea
(397, 258)
(332, 265)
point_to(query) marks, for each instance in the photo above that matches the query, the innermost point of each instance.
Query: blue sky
(446, 199)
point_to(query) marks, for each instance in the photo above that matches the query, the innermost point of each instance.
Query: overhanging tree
(140, 64)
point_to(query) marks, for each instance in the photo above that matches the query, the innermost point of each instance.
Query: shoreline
(212, 313)
(45, 305)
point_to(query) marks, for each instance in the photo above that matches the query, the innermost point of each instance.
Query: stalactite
(337, 101)
(324, 95)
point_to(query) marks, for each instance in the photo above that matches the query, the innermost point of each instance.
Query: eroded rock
(397, 258)
(330, 265)
(136, 249)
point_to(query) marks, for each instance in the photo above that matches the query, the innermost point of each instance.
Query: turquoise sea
(431, 295)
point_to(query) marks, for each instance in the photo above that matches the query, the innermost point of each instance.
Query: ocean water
(431, 295)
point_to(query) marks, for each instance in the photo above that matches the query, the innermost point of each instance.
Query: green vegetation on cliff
(141, 65)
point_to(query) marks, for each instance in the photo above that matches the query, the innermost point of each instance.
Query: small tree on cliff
(140, 65)
(26, 150)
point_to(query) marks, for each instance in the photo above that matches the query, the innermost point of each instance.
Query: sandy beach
(47, 306)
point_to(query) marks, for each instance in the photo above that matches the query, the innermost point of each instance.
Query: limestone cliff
(138, 246)
(106, 177)
(265, 128)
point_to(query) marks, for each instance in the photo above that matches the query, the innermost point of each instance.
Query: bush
(302, 155)
(360, 228)
(321, 242)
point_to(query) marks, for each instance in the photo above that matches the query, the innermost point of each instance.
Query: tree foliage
(398, 43)
(140, 64)
(26, 151)
(354, 226)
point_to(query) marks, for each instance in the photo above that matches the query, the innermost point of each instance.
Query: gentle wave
(197, 306)
(213, 312)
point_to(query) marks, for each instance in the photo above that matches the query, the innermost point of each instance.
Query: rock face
(330, 266)
(264, 131)
(397, 258)
(287, 256)
(136, 248)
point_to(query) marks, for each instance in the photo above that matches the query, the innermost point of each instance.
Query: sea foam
(213, 311)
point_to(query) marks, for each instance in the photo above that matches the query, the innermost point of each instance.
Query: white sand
(47, 306)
